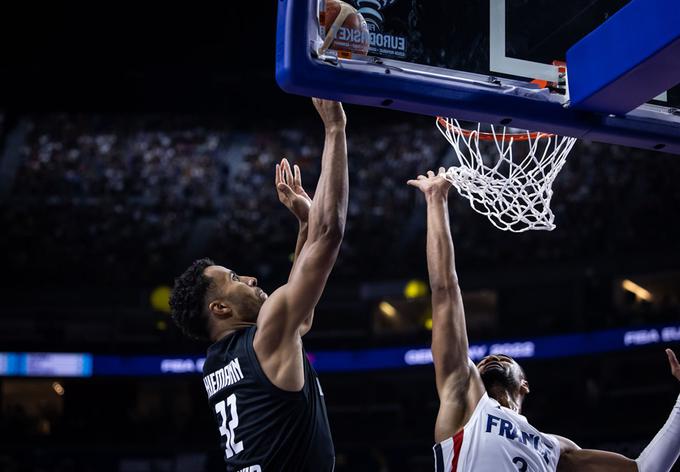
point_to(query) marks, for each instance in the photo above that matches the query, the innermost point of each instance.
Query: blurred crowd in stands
(136, 198)
(93, 195)
(130, 200)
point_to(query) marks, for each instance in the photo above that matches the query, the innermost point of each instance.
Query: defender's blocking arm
(458, 383)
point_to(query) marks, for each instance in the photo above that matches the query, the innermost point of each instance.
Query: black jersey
(264, 428)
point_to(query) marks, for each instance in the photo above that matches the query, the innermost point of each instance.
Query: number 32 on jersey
(227, 428)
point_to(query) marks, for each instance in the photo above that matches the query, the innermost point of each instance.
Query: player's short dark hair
(188, 298)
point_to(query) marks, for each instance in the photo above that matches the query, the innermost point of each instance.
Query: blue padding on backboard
(299, 73)
(630, 59)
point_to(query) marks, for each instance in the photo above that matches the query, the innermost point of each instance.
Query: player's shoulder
(274, 331)
(487, 402)
(566, 445)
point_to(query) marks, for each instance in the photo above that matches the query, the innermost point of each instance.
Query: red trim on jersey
(457, 442)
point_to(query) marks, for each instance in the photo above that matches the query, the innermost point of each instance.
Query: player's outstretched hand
(290, 191)
(675, 365)
(432, 184)
(331, 113)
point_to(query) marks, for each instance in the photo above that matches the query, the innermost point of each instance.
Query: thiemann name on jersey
(227, 375)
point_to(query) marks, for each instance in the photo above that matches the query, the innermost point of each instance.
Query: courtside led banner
(45, 364)
(546, 347)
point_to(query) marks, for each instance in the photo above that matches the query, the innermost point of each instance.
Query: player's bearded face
(499, 372)
(240, 292)
(248, 300)
(250, 304)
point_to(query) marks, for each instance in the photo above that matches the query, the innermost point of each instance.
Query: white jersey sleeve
(497, 439)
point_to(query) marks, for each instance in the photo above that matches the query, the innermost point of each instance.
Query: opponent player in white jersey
(479, 424)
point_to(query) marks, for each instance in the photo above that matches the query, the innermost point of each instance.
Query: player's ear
(524, 386)
(219, 309)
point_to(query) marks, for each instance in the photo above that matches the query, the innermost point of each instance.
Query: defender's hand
(290, 191)
(331, 113)
(673, 361)
(432, 184)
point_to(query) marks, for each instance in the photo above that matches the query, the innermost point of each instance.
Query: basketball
(346, 29)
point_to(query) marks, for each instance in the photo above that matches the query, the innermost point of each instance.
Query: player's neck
(507, 400)
(229, 328)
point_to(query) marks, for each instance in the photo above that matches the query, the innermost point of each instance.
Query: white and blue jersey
(496, 439)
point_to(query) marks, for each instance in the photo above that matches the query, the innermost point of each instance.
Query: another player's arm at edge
(573, 458)
(277, 341)
(659, 456)
(459, 385)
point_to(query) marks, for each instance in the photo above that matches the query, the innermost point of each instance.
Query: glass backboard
(495, 61)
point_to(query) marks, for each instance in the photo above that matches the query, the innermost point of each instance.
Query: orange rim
(483, 136)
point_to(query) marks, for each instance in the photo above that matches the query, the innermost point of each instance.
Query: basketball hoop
(513, 193)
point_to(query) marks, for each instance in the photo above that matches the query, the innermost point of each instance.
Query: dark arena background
(135, 140)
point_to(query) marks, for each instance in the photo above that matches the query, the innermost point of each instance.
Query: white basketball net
(513, 192)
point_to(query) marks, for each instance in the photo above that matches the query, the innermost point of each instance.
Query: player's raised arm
(458, 383)
(659, 455)
(326, 225)
(294, 197)
(277, 340)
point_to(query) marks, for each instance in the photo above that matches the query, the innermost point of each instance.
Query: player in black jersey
(266, 397)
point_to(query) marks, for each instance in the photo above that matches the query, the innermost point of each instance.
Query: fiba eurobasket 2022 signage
(387, 36)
